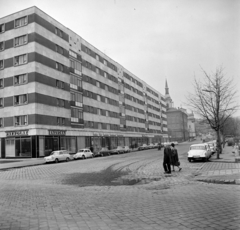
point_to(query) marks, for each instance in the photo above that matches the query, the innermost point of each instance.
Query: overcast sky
(154, 39)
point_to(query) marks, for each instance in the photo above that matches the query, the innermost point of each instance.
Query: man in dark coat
(167, 160)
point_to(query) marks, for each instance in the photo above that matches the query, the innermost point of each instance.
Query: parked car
(83, 154)
(126, 149)
(103, 152)
(212, 147)
(151, 146)
(118, 150)
(199, 152)
(142, 147)
(56, 156)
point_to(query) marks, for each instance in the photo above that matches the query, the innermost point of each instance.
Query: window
(76, 65)
(97, 70)
(59, 67)
(76, 113)
(20, 99)
(1, 102)
(97, 57)
(2, 46)
(1, 82)
(20, 60)
(21, 21)
(20, 79)
(58, 102)
(59, 84)
(1, 122)
(104, 62)
(59, 49)
(18, 41)
(20, 120)
(58, 120)
(71, 53)
(2, 28)
(76, 81)
(63, 121)
(105, 75)
(62, 103)
(58, 32)
(1, 64)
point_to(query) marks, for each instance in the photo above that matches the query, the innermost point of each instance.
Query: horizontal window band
(40, 21)
(33, 56)
(37, 98)
(38, 78)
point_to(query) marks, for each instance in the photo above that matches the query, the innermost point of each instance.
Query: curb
(219, 181)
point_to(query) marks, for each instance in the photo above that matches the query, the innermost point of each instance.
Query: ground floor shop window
(10, 147)
(23, 147)
(113, 142)
(121, 141)
(96, 144)
(51, 144)
(68, 143)
(127, 141)
(106, 142)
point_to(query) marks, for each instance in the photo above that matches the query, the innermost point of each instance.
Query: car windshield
(54, 152)
(198, 147)
(80, 150)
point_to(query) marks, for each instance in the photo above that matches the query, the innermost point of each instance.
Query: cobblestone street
(37, 198)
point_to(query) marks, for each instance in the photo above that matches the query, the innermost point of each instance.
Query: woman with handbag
(174, 158)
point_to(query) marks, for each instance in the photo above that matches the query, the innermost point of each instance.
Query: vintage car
(83, 154)
(103, 152)
(56, 156)
(117, 150)
(199, 152)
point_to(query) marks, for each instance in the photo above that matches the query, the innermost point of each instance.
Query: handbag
(177, 163)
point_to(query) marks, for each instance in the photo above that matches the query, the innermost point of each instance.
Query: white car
(83, 154)
(126, 149)
(56, 156)
(212, 147)
(199, 152)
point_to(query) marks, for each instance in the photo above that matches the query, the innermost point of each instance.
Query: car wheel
(190, 160)
(205, 159)
(92, 156)
(67, 159)
(56, 160)
(101, 155)
(83, 157)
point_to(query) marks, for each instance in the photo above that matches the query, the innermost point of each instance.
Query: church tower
(167, 97)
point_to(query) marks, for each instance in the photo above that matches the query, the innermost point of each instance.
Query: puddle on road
(107, 177)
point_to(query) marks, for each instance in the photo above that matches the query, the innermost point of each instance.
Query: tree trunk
(219, 146)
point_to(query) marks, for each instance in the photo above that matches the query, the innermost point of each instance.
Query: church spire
(166, 88)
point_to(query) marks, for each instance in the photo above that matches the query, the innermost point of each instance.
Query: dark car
(103, 152)
(118, 150)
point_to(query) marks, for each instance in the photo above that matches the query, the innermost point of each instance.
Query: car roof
(203, 144)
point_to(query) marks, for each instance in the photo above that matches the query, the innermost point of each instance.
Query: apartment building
(57, 91)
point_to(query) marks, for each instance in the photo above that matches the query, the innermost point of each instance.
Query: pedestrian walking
(174, 158)
(167, 159)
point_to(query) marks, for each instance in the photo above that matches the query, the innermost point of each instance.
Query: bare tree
(214, 100)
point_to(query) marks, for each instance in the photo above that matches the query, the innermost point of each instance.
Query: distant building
(177, 121)
(191, 126)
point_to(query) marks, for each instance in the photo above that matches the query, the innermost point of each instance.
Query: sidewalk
(229, 175)
(6, 164)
